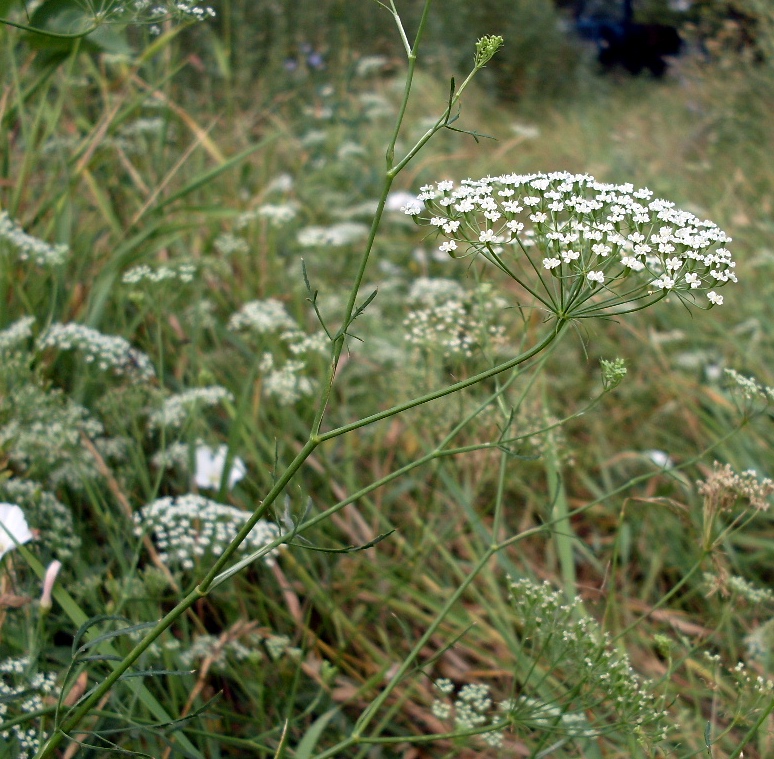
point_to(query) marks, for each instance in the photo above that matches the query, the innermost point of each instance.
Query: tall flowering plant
(579, 248)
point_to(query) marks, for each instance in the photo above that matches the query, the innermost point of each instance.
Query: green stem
(557, 332)
(391, 173)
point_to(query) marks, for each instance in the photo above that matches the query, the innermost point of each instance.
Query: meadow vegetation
(561, 547)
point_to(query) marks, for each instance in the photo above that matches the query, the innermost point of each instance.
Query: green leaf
(309, 741)
(72, 23)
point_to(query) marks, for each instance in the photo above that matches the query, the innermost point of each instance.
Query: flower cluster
(106, 351)
(283, 381)
(22, 692)
(723, 488)
(452, 321)
(29, 247)
(189, 527)
(249, 648)
(227, 244)
(579, 655)
(144, 273)
(176, 409)
(262, 316)
(40, 432)
(156, 11)
(334, 236)
(753, 691)
(16, 333)
(591, 236)
(470, 709)
(749, 388)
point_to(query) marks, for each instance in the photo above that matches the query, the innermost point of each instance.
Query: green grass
(81, 164)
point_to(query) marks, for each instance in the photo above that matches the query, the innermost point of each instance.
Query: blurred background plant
(159, 188)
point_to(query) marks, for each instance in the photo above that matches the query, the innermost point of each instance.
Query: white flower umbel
(22, 692)
(262, 316)
(13, 528)
(453, 322)
(177, 408)
(106, 351)
(16, 333)
(581, 247)
(28, 247)
(210, 465)
(143, 273)
(335, 236)
(190, 527)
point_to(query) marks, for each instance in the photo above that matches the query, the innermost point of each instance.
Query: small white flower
(714, 298)
(13, 528)
(596, 276)
(570, 255)
(448, 246)
(551, 263)
(210, 465)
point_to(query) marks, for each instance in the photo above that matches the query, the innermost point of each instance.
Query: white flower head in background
(14, 529)
(210, 465)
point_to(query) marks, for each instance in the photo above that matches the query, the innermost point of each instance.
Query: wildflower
(176, 409)
(14, 529)
(210, 466)
(603, 233)
(106, 351)
(613, 372)
(18, 332)
(183, 272)
(581, 654)
(29, 247)
(337, 235)
(452, 321)
(262, 316)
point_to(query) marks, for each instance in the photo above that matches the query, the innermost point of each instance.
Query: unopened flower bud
(48, 586)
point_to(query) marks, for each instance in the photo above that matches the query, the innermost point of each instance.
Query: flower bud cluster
(189, 527)
(581, 656)
(452, 321)
(590, 236)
